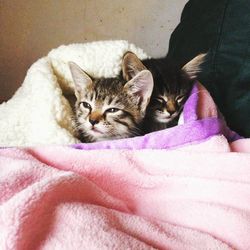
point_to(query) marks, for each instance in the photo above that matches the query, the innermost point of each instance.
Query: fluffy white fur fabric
(39, 113)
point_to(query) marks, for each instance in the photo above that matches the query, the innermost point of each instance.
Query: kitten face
(172, 85)
(166, 107)
(110, 108)
(170, 94)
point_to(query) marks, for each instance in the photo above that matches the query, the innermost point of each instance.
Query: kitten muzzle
(96, 130)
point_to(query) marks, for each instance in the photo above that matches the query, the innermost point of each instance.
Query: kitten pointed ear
(80, 78)
(131, 65)
(141, 88)
(192, 68)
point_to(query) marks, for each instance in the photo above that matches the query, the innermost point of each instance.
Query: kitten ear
(192, 68)
(131, 65)
(141, 87)
(81, 79)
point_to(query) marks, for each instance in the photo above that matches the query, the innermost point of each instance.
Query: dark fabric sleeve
(221, 28)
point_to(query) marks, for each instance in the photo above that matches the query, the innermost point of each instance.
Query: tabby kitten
(110, 108)
(172, 85)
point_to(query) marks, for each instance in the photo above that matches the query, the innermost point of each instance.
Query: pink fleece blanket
(193, 192)
(194, 197)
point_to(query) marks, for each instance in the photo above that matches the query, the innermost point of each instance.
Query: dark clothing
(222, 28)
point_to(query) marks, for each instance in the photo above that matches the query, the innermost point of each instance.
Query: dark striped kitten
(172, 85)
(110, 108)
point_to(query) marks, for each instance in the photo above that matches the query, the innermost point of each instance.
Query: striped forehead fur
(110, 91)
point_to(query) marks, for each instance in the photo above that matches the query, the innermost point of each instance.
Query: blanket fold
(65, 198)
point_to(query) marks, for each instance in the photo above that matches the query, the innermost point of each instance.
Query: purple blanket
(201, 121)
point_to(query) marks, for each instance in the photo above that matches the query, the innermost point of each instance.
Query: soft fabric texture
(38, 113)
(220, 28)
(196, 197)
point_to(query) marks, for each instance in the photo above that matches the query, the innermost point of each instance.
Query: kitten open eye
(112, 110)
(86, 105)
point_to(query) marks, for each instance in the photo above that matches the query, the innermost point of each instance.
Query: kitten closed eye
(179, 99)
(161, 100)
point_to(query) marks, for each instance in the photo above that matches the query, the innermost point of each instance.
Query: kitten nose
(93, 122)
(171, 107)
(171, 112)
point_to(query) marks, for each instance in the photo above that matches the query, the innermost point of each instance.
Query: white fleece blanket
(39, 113)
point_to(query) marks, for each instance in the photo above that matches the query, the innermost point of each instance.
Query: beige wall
(30, 28)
